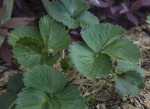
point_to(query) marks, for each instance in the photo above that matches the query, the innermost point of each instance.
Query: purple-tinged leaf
(145, 2)
(132, 18)
(107, 3)
(124, 9)
(114, 9)
(135, 6)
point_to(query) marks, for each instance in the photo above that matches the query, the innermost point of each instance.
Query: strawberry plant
(42, 86)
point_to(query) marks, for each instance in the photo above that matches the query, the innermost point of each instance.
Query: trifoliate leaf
(21, 32)
(53, 33)
(45, 79)
(15, 82)
(125, 67)
(72, 13)
(7, 100)
(88, 63)
(129, 83)
(124, 50)
(29, 48)
(99, 36)
(28, 52)
(46, 90)
(65, 64)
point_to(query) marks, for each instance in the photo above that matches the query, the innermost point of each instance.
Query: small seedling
(43, 87)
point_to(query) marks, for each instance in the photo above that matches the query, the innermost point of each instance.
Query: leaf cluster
(43, 87)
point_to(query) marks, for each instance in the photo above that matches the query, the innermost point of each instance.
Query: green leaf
(45, 89)
(28, 52)
(75, 7)
(124, 50)
(148, 19)
(31, 98)
(72, 13)
(7, 100)
(88, 63)
(9, 8)
(65, 64)
(70, 98)
(2, 37)
(99, 36)
(129, 83)
(53, 33)
(15, 82)
(21, 32)
(87, 18)
(125, 67)
(45, 79)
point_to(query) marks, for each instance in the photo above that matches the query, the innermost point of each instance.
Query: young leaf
(7, 100)
(72, 13)
(46, 90)
(129, 83)
(124, 50)
(65, 64)
(125, 67)
(28, 52)
(21, 32)
(15, 82)
(53, 33)
(99, 36)
(88, 63)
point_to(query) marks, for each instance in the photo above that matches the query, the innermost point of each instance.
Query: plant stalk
(73, 77)
(12, 104)
(63, 54)
(98, 85)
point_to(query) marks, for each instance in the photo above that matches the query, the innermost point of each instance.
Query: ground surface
(107, 97)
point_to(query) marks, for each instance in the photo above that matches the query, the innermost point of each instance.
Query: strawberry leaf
(72, 13)
(124, 50)
(46, 89)
(15, 82)
(28, 52)
(21, 32)
(7, 100)
(87, 63)
(99, 36)
(125, 67)
(129, 83)
(53, 33)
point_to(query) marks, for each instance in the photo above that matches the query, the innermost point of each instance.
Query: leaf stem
(12, 104)
(63, 54)
(98, 85)
(73, 77)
